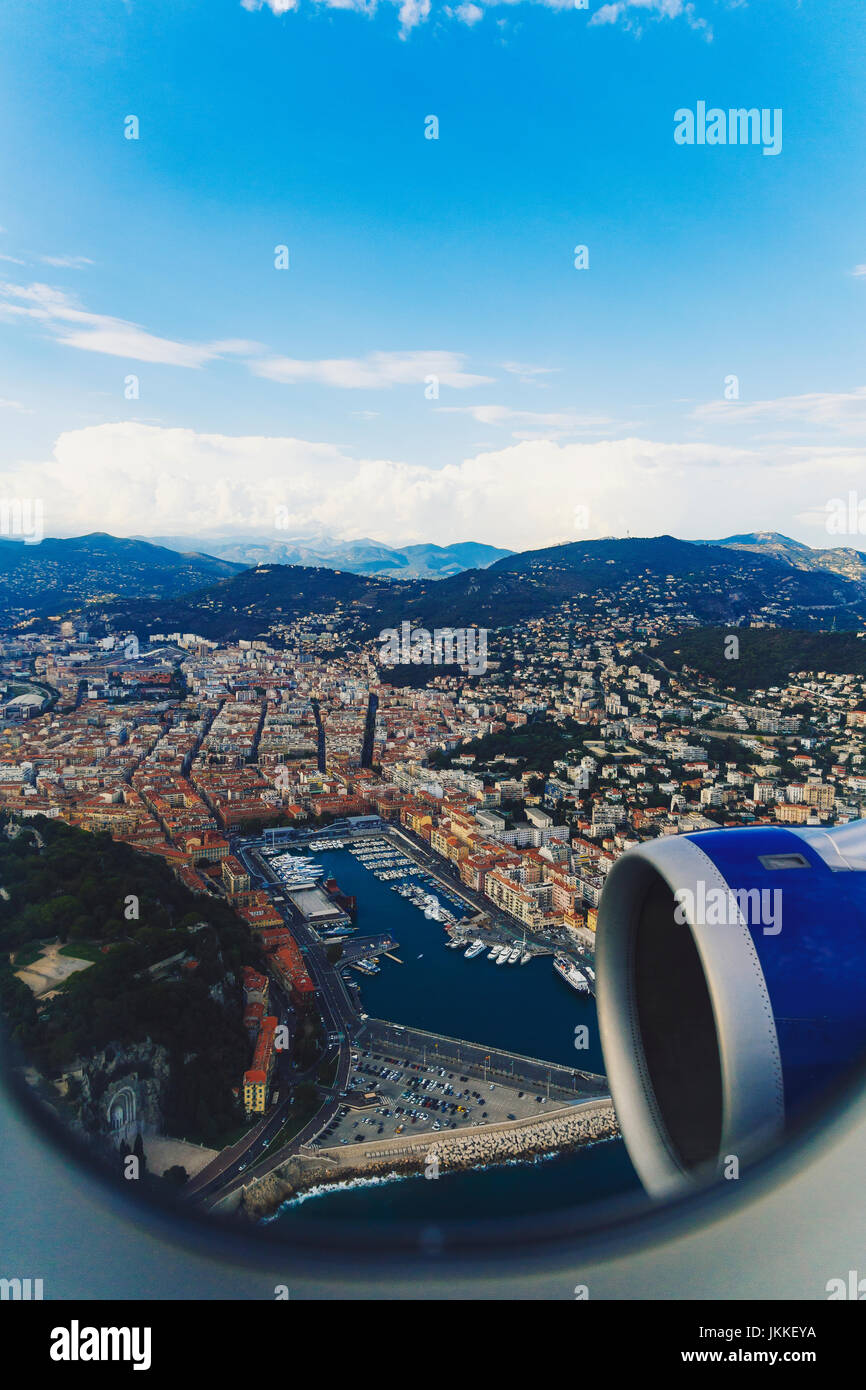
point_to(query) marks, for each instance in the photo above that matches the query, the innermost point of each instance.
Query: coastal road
(340, 1017)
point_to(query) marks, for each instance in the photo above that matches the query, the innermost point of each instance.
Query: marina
(525, 1005)
(413, 959)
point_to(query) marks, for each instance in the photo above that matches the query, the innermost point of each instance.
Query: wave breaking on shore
(304, 1177)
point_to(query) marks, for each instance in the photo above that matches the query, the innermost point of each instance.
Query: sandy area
(50, 969)
(162, 1153)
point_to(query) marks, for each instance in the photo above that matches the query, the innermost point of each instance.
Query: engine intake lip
(750, 1111)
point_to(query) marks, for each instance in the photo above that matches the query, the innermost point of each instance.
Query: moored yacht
(570, 973)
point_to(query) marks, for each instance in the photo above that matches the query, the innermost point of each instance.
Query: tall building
(320, 739)
(369, 731)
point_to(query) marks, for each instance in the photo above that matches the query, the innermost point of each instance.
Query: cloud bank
(134, 479)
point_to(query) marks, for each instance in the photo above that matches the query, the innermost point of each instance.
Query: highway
(340, 1017)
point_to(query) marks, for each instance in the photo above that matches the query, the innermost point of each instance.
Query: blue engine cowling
(731, 986)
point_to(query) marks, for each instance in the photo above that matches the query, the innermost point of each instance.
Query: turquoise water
(525, 1008)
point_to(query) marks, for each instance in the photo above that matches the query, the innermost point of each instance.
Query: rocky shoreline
(455, 1151)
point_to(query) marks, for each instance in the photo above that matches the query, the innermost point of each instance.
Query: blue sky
(571, 403)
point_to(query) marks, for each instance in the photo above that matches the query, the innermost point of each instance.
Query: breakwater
(560, 1132)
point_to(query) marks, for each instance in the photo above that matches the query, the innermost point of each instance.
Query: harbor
(466, 929)
(442, 984)
(465, 1027)
(454, 1069)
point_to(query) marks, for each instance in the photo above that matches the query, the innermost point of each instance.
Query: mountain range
(154, 588)
(357, 557)
(58, 574)
(677, 580)
(842, 560)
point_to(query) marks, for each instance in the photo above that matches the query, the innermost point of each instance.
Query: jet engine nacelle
(731, 988)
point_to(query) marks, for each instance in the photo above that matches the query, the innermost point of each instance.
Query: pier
(364, 948)
(487, 1064)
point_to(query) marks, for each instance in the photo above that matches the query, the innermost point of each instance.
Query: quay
(484, 1063)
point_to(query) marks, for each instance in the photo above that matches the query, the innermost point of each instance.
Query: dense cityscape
(498, 799)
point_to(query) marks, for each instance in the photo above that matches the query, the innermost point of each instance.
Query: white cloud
(236, 347)
(527, 369)
(66, 262)
(562, 422)
(628, 14)
(468, 13)
(414, 12)
(859, 271)
(375, 371)
(278, 6)
(77, 328)
(837, 409)
(15, 405)
(130, 478)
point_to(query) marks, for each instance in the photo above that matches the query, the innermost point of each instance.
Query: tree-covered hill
(651, 574)
(66, 883)
(767, 656)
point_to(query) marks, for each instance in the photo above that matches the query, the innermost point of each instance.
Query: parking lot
(412, 1097)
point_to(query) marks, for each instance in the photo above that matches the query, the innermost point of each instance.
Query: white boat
(570, 973)
(525, 958)
(493, 953)
(502, 955)
(475, 949)
(514, 955)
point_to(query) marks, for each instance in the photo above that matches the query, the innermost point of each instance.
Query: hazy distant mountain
(442, 561)
(57, 575)
(842, 560)
(356, 557)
